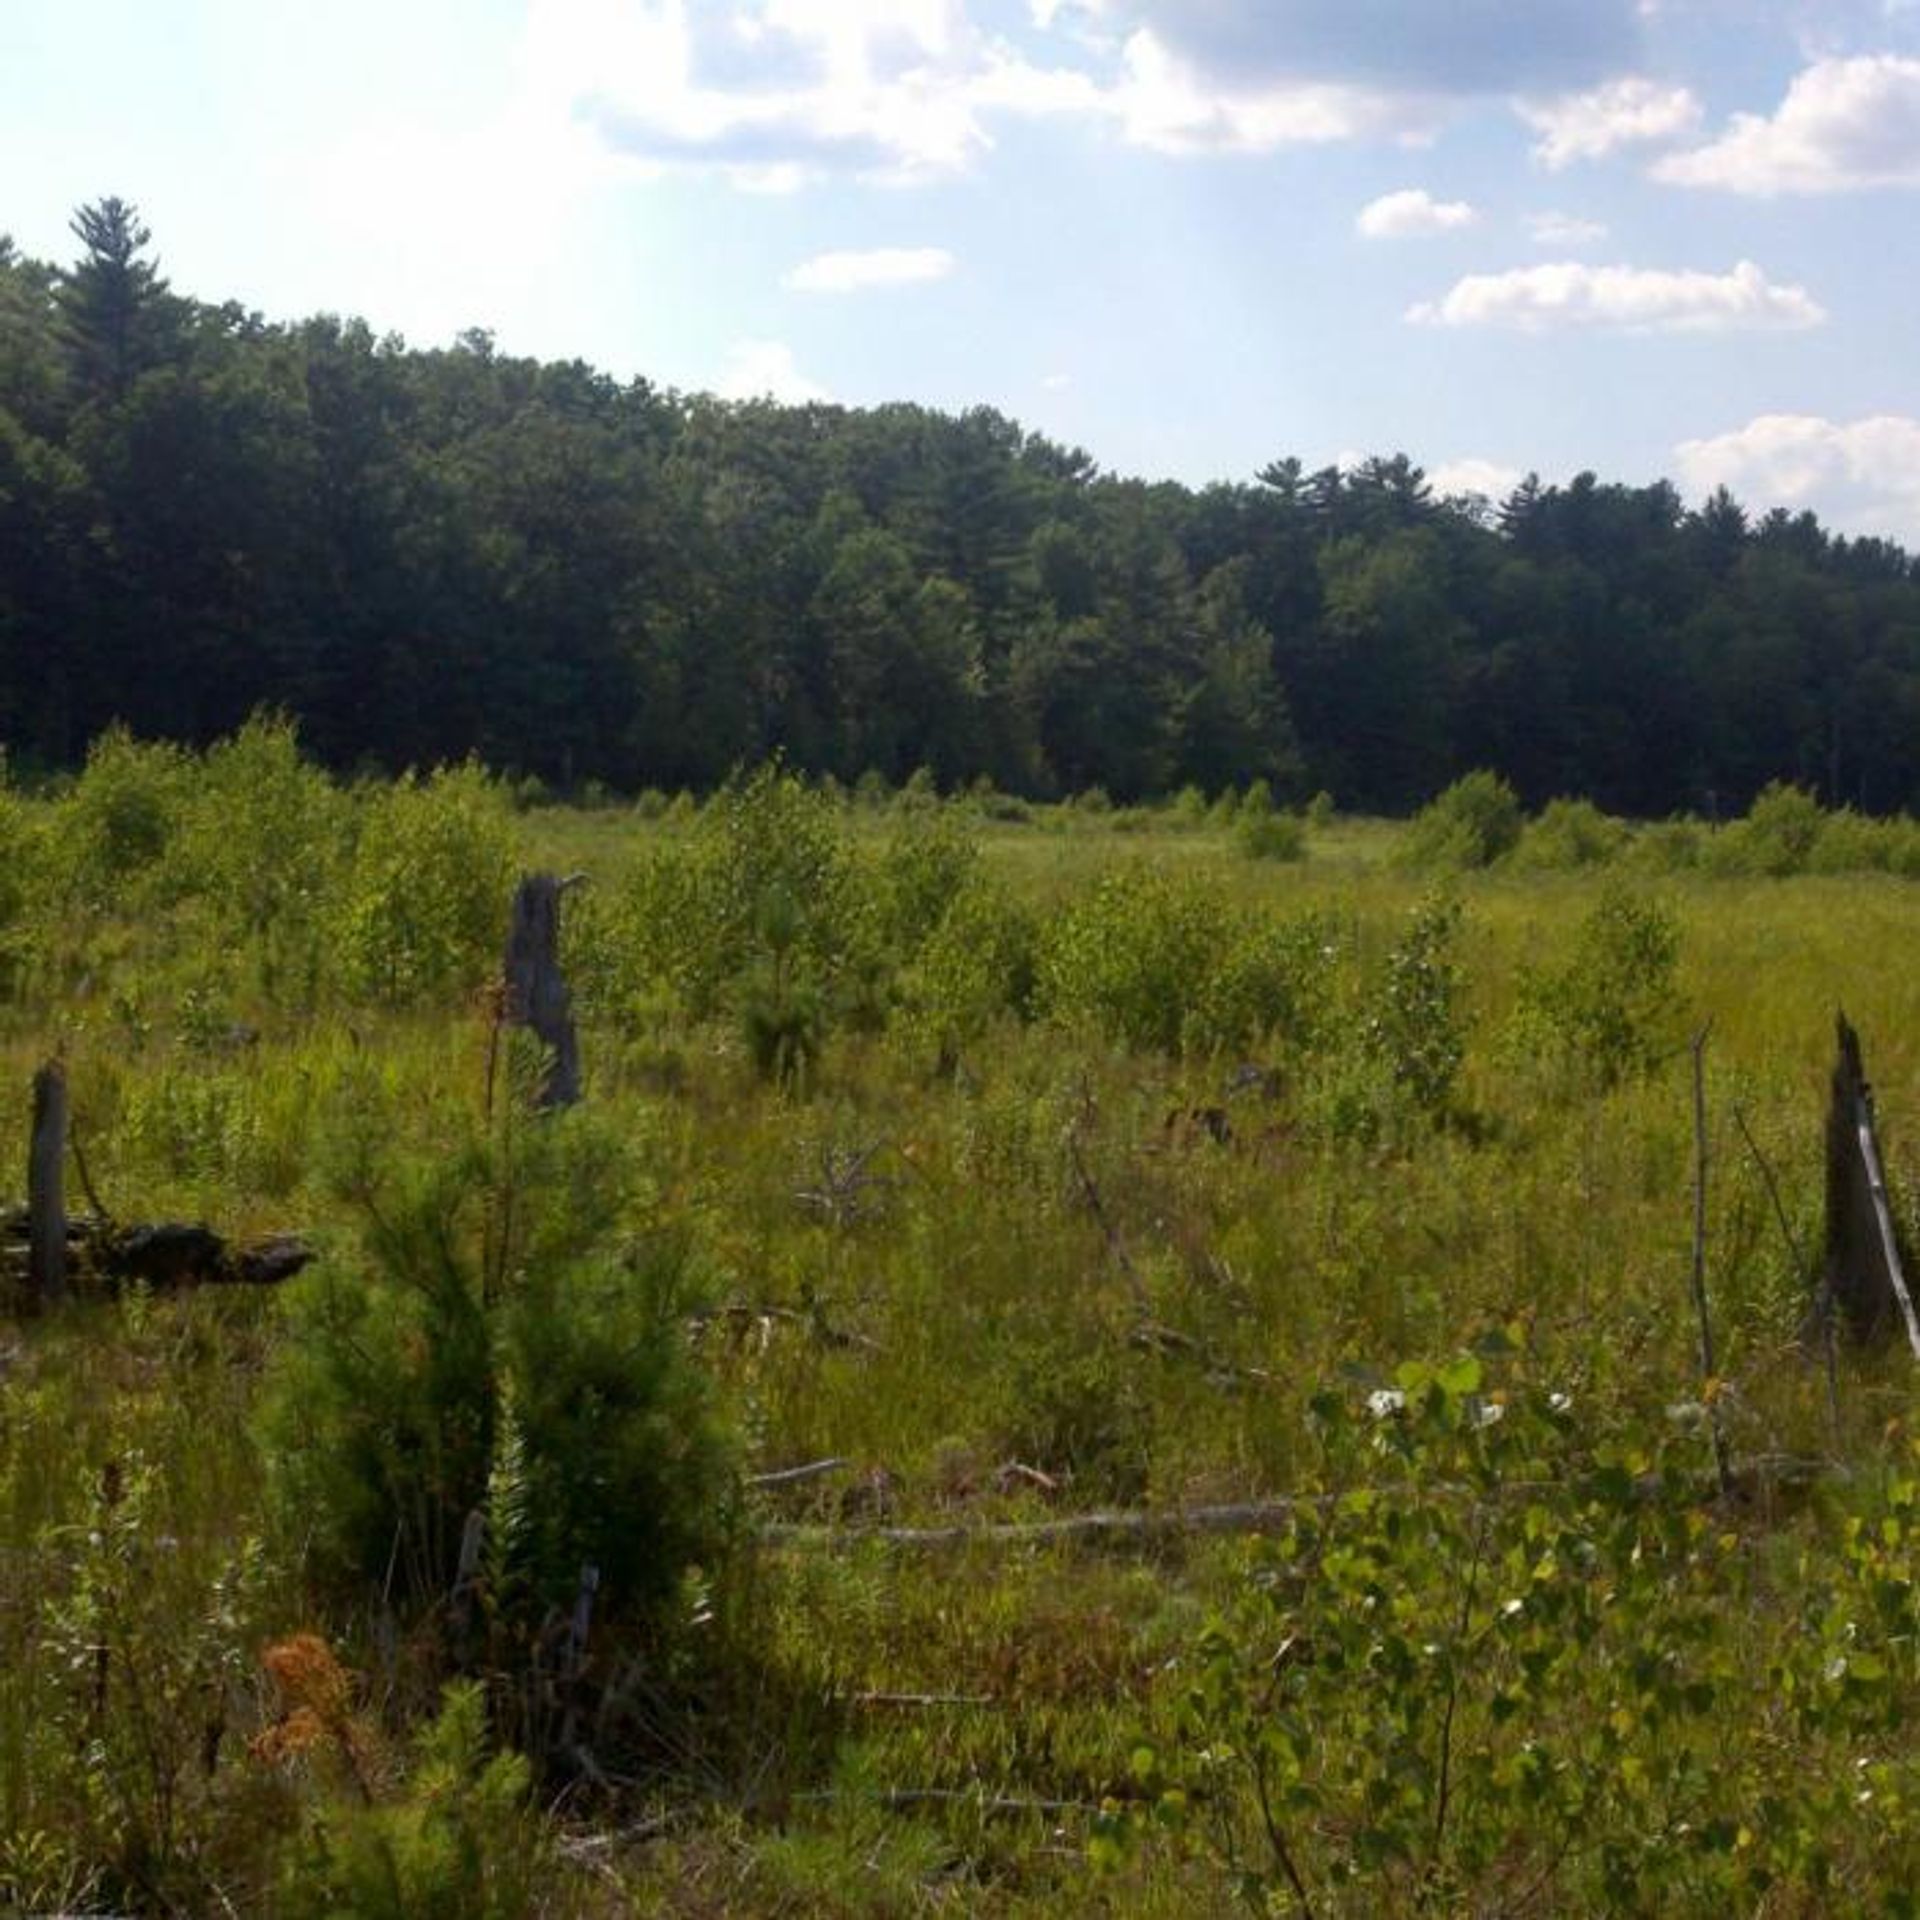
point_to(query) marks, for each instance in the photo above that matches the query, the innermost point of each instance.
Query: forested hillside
(424, 554)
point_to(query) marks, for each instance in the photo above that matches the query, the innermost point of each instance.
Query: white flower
(1384, 1402)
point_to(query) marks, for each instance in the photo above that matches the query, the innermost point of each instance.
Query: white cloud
(1567, 294)
(1564, 230)
(1865, 473)
(854, 271)
(1622, 113)
(1411, 213)
(1843, 123)
(777, 91)
(1489, 478)
(765, 369)
(1162, 102)
(1056, 382)
(1418, 47)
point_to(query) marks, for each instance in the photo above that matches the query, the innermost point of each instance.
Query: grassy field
(1026, 1164)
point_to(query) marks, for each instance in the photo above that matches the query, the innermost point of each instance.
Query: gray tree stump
(536, 994)
(46, 1192)
(1864, 1271)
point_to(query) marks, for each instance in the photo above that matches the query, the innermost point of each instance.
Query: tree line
(421, 554)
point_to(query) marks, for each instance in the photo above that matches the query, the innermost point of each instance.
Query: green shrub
(1569, 834)
(1611, 1009)
(1131, 957)
(260, 843)
(1270, 836)
(1510, 1660)
(1417, 1027)
(977, 965)
(456, 1842)
(694, 915)
(1272, 986)
(927, 864)
(491, 1350)
(1851, 842)
(1472, 824)
(1667, 846)
(423, 905)
(22, 881)
(115, 828)
(1776, 838)
(148, 1661)
(783, 1005)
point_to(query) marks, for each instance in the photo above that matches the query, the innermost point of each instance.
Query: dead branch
(794, 1476)
(1709, 1372)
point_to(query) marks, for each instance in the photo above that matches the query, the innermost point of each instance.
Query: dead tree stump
(536, 994)
(1864, 1273)
(46, 1193)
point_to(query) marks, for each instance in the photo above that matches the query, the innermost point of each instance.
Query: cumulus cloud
(1564, 230)
(765, 370)
(1412, 213)
(1488, 478)
(1403, 46)
(1863, 473)
(771, 94)
(1568, 294)
(853, 271)
(1163, 102)
(774, 92)
(1842, 124)
(1622, 113)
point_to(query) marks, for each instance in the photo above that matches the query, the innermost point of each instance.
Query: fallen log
(165, 1256)
(1750, 1481)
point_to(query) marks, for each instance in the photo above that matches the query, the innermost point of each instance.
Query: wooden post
(1864, 1273)
(536, 992)
(46, 1196)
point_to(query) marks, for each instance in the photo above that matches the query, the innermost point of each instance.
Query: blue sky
(1643, 236)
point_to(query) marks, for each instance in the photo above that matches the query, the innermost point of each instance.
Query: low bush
(1568, 835)
(1472, 824)
(423, 904)
(1130, 956)
(1611, 1010)
(493, 1351)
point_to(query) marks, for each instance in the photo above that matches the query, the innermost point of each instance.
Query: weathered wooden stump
(46, 1192)
(535, 991)
(1864, 1269)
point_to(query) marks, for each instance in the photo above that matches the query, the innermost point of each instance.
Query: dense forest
(421, 554)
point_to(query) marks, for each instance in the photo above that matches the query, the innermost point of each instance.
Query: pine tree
(116, 312)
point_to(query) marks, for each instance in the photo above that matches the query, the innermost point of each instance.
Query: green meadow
(1228, 1273)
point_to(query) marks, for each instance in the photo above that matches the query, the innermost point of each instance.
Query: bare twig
(846, 1181)
(1883, 1218)
(915, 1700)
(1097, 1206)
(793, 1476)
(86, 1179)
(900, 1799)
(1824, 1303)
